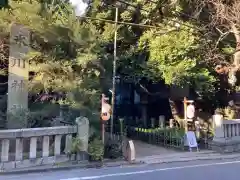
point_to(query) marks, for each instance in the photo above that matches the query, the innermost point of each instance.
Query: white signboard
(191, 139)
(190, 111)
(106, 108)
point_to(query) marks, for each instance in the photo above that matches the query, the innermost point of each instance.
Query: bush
(96, 150)
(113, 149)
(76, 145)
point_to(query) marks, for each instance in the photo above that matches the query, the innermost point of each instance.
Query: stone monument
(18, 73)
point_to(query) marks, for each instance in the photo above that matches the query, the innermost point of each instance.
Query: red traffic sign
(105, 116)
(106, 109)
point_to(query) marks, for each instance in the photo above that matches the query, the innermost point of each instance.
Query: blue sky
(80, 6)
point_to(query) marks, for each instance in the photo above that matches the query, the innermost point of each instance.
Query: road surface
(198, 170)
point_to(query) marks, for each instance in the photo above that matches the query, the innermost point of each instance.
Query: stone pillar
(57, 145)
(83, 133)
(218, 127)
(171, 123)
(144, 115)
(152, 122)
(19, 149)
(131, 152)
(197, 127)
(18, 69)
(68, 144)
(33, 148)
(45, 151)
(5, 150)
(161, 121)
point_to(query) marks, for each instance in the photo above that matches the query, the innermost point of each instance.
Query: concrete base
(28, 163)
(225, 146)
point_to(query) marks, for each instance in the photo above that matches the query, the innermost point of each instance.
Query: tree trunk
(176, 114)
(236, 57)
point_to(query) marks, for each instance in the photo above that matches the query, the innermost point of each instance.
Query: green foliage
(3, 4)
(113, 149)
(76, 145)
(228, 112)
(73, 56)
(174, 58)
(173, 55)
(63, 52)
(96, 149)
(31, 119)
(168, 132)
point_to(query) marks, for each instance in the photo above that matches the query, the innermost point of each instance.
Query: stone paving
(144, 149)
(151, 154)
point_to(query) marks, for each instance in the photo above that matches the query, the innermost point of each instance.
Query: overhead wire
(182, 24)
(176, 21)
(189, 16)
(143, 25)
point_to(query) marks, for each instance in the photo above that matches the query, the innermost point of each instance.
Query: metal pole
(114, 70)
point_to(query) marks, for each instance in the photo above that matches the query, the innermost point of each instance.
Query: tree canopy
(182, 42)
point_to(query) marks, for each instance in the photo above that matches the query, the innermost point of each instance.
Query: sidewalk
(147, 160)
(145, 154)
(187, 156)
(151, 154)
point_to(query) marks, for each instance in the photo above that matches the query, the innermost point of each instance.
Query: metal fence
(163, 137)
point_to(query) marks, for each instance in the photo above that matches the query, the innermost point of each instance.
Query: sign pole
(105, 114)
(185, 114)
(103, 132)
(114, 71)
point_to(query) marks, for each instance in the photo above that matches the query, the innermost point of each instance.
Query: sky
(80, 7)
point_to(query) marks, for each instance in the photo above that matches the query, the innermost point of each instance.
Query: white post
(5, 150)
(218, 127)
(33, 148)
(197, 127)
(161, 121)
(68, 144)
(152, 122)
(171, 123)
(19, 149)
(45, 152)
(131, 151)
(57, 145)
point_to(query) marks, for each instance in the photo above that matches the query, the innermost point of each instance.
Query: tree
(224, 25)
(62, 58)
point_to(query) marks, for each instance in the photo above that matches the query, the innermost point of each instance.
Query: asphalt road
(198, 170)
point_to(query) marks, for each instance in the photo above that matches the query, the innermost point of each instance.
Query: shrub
(76, 145)
(96, 150)
(113, 149)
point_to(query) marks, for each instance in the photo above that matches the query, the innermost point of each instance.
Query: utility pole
(114, 70)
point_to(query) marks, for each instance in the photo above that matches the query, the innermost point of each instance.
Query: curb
(68, 167)
(191, 159)
(113, 164)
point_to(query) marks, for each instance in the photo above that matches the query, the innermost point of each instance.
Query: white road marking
(150, 171)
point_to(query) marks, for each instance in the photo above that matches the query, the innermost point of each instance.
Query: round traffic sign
(105, 116)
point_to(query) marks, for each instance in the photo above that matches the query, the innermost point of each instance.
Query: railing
(226, 129)
(34, 134)
(231, 128)
(38, 146)
(226, 135)
(168, 137)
